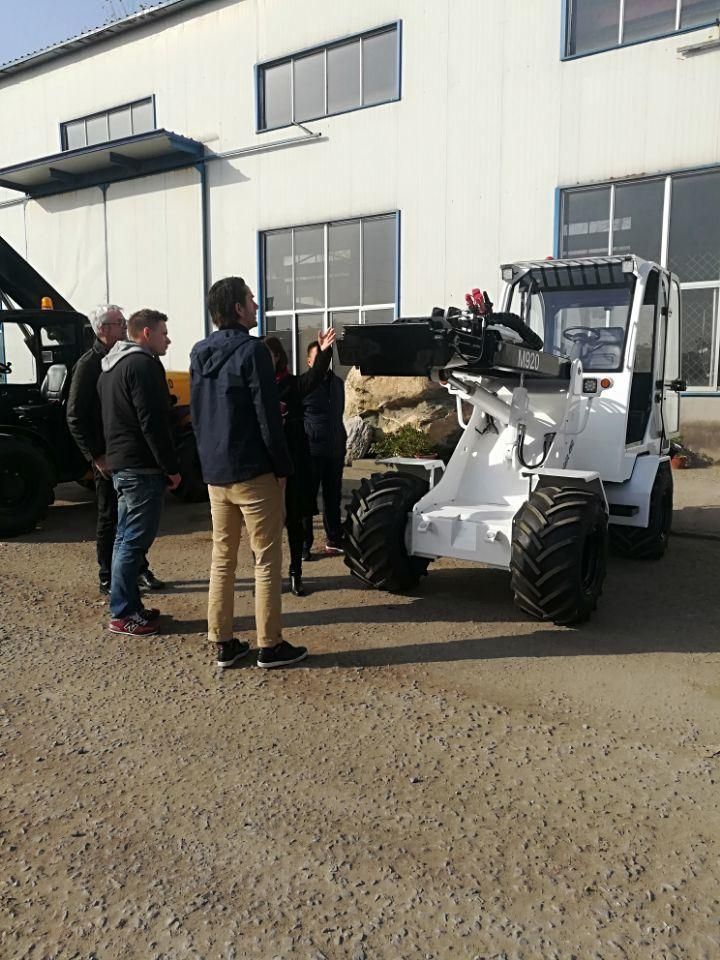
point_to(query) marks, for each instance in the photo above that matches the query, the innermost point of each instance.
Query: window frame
(64, 124)
(568, 7)
(326, 310)
(263, 65)
(713, 389)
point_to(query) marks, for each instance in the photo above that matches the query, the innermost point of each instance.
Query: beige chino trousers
(257, 504)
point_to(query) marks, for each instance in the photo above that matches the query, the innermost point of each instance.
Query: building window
(595, 25)
(362, 71)
(115, 124)
(673, 220)
(328, 275)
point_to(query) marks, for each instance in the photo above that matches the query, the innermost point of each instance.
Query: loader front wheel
(375, 528)
(648, 543)
(559, 554)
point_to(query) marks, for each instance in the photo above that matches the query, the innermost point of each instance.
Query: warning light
(606, 383)
(46, 304)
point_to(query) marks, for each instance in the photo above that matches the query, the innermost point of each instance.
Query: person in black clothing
(300, 492)
(84, 421)
(141, 457)
(325, 429)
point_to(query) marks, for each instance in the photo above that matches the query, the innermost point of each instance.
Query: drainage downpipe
(205, 228)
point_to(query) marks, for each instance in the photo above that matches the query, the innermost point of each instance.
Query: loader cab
(619, 316)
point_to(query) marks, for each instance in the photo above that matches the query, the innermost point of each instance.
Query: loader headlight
(590, 385)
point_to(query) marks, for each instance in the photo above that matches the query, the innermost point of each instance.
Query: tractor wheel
(26, 486)
(375, 527)
(193, 488)
(648, 543)
(559, 552)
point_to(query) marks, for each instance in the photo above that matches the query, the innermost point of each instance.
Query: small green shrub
(406, 442)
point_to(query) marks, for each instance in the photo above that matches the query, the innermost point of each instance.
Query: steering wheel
(582, 334)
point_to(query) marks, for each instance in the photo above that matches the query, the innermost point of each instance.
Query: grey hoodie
(121, 350)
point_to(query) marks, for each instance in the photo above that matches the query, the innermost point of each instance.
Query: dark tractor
(38, 350)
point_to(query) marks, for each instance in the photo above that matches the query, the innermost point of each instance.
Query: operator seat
(52, 396)
(606, 353)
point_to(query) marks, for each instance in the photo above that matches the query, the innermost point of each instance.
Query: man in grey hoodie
(140, 454)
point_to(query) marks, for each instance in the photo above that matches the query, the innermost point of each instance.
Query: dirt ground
(441, 778)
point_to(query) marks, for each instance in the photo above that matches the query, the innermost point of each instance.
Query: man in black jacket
(84, 421)
(325, 428)
(235, 410)
(141, 457)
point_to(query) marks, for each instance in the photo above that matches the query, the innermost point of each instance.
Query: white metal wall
(490, 123)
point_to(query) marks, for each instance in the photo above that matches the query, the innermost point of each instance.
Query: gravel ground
(442, 778)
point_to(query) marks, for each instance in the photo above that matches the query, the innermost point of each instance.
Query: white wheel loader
(574, 389)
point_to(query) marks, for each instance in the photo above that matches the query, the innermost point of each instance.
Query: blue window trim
(260, 247)
(318, 48)
(561, 191)
(633, 178)
(557, 231)
(322, 223)
(685, 171)
(103, 113)
(565, 36)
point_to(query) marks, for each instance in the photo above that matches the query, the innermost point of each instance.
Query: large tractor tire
(26, 486)
(375, 527)
(192, 488)
(559, 554)
(651, 542)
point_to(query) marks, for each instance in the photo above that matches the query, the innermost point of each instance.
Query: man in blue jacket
(245, 462)
(325, 428)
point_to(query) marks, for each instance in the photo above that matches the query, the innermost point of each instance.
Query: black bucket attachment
(405, 348)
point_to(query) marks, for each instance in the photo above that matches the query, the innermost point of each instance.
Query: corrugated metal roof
(96, 35)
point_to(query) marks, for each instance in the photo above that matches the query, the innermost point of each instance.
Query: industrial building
(356, 161)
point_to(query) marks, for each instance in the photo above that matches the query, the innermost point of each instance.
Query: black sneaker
(280, 656)
(148, 581)
(306, 555)
(229, 652)
(104, 588)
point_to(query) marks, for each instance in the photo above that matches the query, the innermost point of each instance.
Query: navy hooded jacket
(235, 409)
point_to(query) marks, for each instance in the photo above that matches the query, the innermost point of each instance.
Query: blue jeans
(140, 500)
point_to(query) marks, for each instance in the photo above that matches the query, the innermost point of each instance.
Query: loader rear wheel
(648, 543)
(559, 553)
(26, 486)
(375, 527)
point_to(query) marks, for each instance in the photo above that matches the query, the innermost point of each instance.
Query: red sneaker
(134, 626)
(333, 550)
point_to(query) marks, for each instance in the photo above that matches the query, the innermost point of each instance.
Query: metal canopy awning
(137, 156)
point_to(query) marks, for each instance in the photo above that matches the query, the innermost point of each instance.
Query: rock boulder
(359, 440)
(390, 403)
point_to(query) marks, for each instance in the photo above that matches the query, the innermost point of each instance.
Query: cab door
(669, 381)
